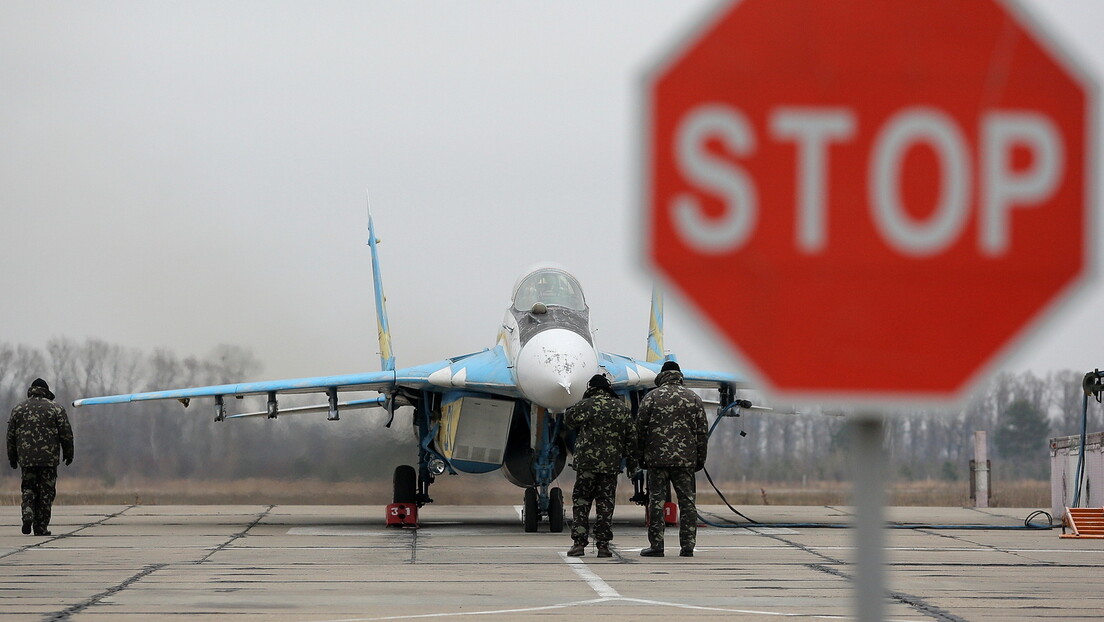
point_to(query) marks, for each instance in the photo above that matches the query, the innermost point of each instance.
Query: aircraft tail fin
(655, 329)
(387, 357)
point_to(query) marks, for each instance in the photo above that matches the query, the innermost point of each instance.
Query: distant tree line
(162, 439)
(1019, 412)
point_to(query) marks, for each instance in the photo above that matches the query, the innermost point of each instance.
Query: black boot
(577, 550)
(604, 550)
(652, 551)
(26, 527)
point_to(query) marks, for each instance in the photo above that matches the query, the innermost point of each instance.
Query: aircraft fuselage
(546, 335)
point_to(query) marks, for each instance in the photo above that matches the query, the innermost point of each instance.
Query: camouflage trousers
(682, 478)
(39, 490)
(600, 488)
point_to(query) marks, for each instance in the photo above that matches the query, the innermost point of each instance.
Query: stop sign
(869, 199)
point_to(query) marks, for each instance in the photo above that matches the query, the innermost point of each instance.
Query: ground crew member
(38, 428)
(604, 436)
(672, 431)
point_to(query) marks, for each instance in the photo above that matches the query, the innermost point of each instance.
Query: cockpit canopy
(550, 286)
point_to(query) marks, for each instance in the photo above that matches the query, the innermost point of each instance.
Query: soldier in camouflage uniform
(605, 435)
(38, 428)
(672, 432)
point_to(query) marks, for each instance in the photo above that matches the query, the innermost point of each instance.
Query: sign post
(868, 202)
(869, 498)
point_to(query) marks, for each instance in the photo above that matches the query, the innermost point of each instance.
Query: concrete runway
(315, 563)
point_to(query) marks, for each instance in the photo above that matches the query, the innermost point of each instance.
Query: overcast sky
(188, 174)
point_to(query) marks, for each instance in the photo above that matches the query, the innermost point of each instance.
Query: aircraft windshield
(552, 287)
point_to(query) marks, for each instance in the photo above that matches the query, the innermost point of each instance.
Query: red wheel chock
(402, 515)
(670, 513)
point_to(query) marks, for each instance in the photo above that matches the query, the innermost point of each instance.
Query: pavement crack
(65, 614)
(924, 607)
(61, 536)
(240, 534)
(915, 602)
(798, 545)
(983, 545)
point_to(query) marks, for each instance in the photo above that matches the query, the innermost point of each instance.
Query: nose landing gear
(553, 509)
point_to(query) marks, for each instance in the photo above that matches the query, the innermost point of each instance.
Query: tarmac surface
(330, 563)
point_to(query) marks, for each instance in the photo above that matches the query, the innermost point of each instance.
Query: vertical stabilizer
(655, 329)
(387, 358)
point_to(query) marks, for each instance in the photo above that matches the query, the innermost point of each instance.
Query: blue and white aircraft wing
(705, 379)
(371, 381)
(487, 371)
(629, 373)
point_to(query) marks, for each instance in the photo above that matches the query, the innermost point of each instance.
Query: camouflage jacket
(671, 426)
(37, 429)
(605, 432)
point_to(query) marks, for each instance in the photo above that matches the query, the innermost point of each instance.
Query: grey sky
(189, 174)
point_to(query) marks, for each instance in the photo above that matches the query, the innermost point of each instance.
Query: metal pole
(869, 499)
(981, 470)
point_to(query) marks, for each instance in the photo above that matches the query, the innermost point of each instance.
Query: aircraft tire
(555, 511)
(530, 512)
(406, 484)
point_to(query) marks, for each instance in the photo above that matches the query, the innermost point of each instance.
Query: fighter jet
(501, 408)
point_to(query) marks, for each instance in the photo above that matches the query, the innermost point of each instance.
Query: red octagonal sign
(869, 199)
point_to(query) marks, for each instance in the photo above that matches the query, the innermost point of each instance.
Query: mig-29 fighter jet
(501, 408)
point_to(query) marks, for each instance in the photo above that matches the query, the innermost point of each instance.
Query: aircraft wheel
(555, 510)
(530, 512)
(406, 484)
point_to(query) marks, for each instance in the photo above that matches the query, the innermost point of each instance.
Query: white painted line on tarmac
(664, 603)
(814, 616)
(586, 574)
(450, 614)
(606, 593)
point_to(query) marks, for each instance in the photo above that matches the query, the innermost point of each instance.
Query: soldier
(37, 428)
(605, 435)
(672, 432)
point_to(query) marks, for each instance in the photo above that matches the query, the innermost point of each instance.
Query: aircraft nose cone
(553, 368)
